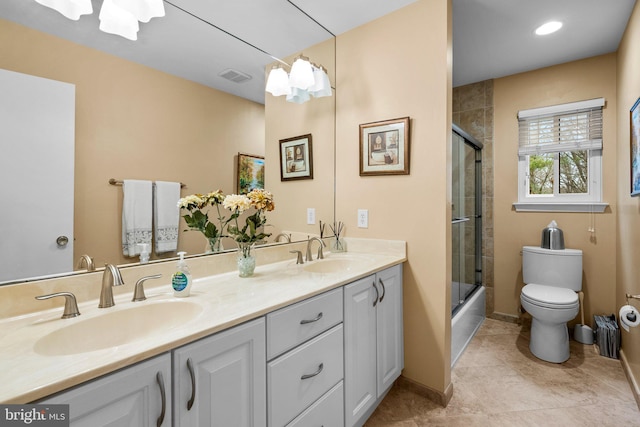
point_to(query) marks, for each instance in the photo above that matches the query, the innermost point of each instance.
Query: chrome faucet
(88, 261)
(111, 277)
(320, 255)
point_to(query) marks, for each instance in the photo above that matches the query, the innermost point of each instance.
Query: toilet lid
(549, 295)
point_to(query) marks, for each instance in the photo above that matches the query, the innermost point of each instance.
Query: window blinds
(565, 127)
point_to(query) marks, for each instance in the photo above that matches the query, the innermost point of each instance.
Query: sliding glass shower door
(466, 219)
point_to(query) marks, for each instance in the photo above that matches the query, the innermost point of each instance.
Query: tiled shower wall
(473, 112)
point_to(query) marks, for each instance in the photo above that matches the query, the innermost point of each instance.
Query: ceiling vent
(235, 76)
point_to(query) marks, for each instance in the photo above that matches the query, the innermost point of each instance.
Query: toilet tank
(552, 267)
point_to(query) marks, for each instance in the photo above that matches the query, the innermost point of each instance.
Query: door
(359, 348)
(390, 340)
(37, 116)
(220, 381)
(136, 396)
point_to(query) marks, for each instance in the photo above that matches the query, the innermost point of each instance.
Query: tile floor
(498, 382)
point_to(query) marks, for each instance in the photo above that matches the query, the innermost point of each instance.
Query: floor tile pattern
(498, 382)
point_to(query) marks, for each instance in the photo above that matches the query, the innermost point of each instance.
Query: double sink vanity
(294, 345)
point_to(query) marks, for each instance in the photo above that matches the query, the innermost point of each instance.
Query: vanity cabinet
(306, 363)
(139, 395)
(220, 381)
(373, 352)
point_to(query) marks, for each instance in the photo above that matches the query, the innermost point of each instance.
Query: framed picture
(635, 148)
(384, 147)
(296, 158)
(250, 173)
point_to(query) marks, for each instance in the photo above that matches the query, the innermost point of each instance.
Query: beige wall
(382, 74)
(133, 122)
(575, 81)
(628, 212)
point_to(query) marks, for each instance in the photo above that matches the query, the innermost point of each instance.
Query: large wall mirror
(159, 109)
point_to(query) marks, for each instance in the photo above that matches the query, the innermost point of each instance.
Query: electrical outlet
(311, 216)
(363, 218)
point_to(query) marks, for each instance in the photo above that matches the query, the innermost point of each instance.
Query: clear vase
(246, 260)
(214, 244)
(338, 245)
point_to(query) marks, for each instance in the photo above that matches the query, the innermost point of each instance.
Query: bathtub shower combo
(467, 292)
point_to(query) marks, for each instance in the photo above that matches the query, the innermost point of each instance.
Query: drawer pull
(305, 321)
(163, 397)
(192, 374)
(307, 376)
(375, 300)
(384, 290)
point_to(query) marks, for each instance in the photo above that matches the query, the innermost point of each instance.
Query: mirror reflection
(133, 122)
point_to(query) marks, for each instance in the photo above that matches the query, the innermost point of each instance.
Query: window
(560, 157)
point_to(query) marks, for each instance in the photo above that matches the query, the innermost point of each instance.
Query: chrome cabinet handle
(307, 376)
(375, 301)
(62, 241)
(163, 396)
(193, 384)
(384, 290)
(305, 321)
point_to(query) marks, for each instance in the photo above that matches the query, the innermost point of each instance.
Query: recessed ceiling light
(548, 28)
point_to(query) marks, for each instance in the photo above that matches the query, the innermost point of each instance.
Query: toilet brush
(581, 332)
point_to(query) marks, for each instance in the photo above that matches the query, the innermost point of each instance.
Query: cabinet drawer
(295, 324)
(328, 411)
(298, 378)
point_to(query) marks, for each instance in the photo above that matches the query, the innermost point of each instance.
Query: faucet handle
(138, 293)
(299, 259)
(70, 304)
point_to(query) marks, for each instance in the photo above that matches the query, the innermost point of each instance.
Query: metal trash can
(552, 237)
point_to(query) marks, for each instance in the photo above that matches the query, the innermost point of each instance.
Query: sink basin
(118, 327)
(329, 266)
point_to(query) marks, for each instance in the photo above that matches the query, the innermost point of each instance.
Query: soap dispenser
(181, 279)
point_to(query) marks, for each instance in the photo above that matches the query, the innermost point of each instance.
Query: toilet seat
(549, 296)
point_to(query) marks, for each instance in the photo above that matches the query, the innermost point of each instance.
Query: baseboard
(505, 317)
(632, 380)
(424, 391)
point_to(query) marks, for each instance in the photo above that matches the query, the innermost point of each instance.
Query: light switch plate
(363, 218)
(311, 216)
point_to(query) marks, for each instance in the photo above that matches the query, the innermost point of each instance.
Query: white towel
(136, 215)
(166, 215)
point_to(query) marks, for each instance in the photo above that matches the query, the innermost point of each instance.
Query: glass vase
(214, 245)
(338, 245)
(246, 260)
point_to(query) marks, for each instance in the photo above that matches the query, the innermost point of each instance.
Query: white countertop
(226, 300)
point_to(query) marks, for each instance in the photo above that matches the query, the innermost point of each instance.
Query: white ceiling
(495, 38)
(491, 38)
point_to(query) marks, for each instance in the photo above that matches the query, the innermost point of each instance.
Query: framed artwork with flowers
(250, 173)
(384, 147)
(296, 158)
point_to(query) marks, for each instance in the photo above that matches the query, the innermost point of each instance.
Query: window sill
(560, 207)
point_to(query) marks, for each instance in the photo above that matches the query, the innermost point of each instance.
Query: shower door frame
(477, 147)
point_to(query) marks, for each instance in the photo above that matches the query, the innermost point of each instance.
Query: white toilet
(552, 278)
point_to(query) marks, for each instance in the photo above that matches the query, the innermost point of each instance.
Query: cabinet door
(359, 348)
(221, 380)
(136, 396)
(390, 340)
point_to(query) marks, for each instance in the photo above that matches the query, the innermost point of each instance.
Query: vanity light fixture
(548, 28)
(305, 80)
(119, 17)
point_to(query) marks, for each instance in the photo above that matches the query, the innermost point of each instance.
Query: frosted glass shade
(301, 75)
(299, 96)
(142, 10)
(322, 85)
(114, 20)
(278, 82)
(71, 9)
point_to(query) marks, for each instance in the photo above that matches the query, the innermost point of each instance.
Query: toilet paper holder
(629, 296)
